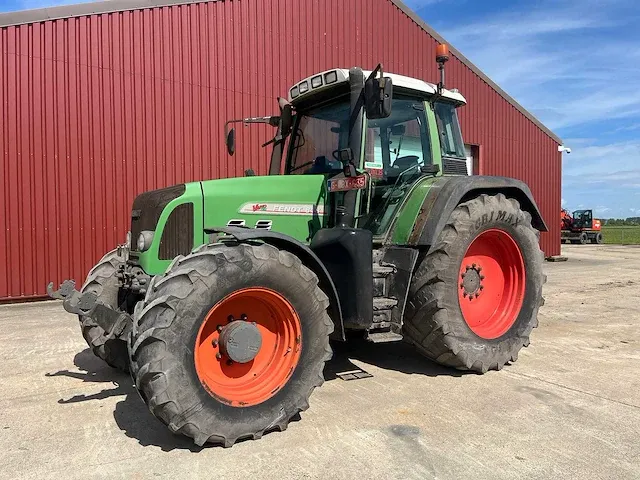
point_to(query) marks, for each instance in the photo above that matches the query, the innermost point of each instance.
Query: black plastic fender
(448, 192)
(308, 257)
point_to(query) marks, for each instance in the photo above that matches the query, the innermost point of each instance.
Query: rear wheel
(230, 342)
(598, 239)
(474, 298)
(102, 281)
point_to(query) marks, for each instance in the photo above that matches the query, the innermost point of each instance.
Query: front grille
(147, 208)
(177, 235)
(454, 166)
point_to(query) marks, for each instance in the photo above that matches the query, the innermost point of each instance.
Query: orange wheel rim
(492, 284)
(250, 381)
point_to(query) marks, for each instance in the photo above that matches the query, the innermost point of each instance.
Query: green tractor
(224, 299)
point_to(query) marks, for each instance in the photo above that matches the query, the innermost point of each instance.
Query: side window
(449, 128)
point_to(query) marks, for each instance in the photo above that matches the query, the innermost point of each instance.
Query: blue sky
(575, 64)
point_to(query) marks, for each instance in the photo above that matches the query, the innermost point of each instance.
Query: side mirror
(378, 94)
(231, 141)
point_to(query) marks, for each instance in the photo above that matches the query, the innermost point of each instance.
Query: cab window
(451, 143)
(318, 135)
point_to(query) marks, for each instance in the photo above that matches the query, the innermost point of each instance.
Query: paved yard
(569, 408)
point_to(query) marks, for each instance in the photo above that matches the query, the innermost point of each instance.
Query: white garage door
(469, 154)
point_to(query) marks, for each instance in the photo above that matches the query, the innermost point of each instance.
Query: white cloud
(556, 58)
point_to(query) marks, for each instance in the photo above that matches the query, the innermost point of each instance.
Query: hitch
(114, 322)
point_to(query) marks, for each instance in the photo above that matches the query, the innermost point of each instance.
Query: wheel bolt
(481, 277)
(230, 318)
(214, 343)
(473, 265)
(470, 297)
(477, 295)
(229, 362)
(218, 355)
(464, 294)
(481, 287)
(479, 269)
(243, 316)
(468, 267)
(462, 275)
(462, 285)
(219, 328)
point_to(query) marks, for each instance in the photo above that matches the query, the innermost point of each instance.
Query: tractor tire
(181, 361)
(457, 317)
(102, 281)
(584, 239)
(598, 239)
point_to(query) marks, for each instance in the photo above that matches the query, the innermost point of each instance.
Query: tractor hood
(291, 204)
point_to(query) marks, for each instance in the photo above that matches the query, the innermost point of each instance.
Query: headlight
(144, 241)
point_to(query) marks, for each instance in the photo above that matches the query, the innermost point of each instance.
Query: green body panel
(295, 204)
(149, 260)
(403, 225)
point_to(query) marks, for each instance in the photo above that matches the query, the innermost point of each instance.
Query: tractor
(227, 295)
(580, 227)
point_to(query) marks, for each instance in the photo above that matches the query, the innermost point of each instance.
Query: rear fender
(448, 192)
(303, 252)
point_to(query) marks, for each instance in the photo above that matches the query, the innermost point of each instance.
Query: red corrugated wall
(99, 108)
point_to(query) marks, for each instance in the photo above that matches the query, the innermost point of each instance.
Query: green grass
(621, 235)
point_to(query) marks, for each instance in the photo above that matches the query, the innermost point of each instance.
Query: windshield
(318, 135)
(450, 137)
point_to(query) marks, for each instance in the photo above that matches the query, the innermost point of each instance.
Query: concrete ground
(568, 408)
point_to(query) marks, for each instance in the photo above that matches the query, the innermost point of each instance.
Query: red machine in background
(580, 227)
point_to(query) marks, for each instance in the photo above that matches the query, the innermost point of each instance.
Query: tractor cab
(582, 219)
(370, 152)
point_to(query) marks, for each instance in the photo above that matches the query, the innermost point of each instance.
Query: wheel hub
(240, 341)
(471, 284)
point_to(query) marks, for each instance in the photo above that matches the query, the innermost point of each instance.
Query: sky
(574, 64)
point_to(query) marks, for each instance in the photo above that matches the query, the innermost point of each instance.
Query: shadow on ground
(131, 414)
(134, 419)
(395, 355)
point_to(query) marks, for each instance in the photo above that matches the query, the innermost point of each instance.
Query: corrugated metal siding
(97, 109)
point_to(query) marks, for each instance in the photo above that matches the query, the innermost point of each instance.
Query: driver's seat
(404, 163)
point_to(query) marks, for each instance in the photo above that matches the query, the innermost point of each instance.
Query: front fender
(448, 192)
(308, 257)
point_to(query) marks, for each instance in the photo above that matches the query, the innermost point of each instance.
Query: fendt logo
(282, 208)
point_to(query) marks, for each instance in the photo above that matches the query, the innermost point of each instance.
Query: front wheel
(475, 296)
(584, 238)
(230, 342)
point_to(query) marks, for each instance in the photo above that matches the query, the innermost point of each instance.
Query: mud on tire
(167, 323)
(434, 321)
(102, 281)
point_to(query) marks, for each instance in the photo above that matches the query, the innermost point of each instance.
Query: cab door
(394, 150)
